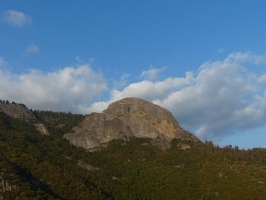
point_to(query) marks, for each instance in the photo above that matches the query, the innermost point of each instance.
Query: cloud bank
(69, 89)
(221, 97)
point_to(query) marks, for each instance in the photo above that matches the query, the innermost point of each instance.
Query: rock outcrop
(42, 128)
(17, 111)
(126, 118)
(5, 184)
(20, 111)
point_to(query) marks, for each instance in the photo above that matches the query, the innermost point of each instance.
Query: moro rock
(126, 118)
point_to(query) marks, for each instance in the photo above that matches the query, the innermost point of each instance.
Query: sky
(204, 61)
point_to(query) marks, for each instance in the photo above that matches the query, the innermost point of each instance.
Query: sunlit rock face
(126, 118)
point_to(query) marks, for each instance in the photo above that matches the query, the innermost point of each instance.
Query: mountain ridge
(123, 119)
(44, 167)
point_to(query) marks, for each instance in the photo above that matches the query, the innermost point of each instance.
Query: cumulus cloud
(220, 100)
(151, 91)
(222, 97)
(69, 89)
(16, 18)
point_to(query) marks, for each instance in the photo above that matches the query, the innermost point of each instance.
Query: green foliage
(58, 123)
(47, 167)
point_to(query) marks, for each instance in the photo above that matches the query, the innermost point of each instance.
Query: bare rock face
(42, 128)
(17, 111)
(126, 118)
(20, 111)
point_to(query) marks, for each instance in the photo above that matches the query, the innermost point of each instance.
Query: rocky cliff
(17, 111)
(20, 111)
(126, 118)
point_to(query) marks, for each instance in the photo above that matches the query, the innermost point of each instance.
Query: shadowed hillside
(38, 166)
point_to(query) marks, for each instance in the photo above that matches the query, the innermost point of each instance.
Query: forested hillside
(37, 166)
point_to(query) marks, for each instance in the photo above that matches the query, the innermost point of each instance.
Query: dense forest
(37, 166)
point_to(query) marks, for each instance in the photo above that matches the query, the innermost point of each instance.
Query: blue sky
(202, 60)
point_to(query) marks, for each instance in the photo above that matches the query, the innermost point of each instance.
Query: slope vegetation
(38, 166)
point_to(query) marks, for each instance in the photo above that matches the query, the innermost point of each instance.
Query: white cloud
(152, 74)
(223, 97)
(32, 49)
(16, 18)
(69, 89)
(121, 82)
(249, 57)
(262, 79)
(148, 90)
(220, 50)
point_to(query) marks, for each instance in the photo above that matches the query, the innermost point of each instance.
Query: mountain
(47, 166)
(125, 119)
